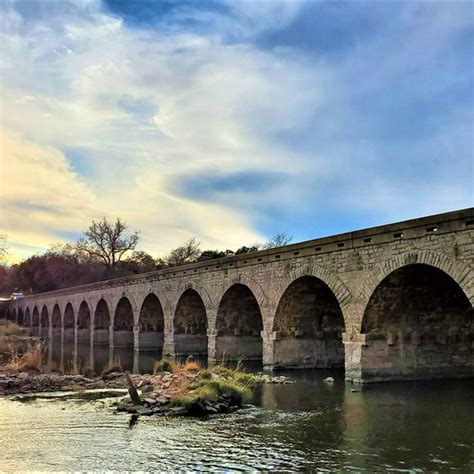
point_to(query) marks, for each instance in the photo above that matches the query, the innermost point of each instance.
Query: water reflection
(307, 426)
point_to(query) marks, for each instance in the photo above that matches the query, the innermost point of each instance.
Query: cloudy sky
(231, 121)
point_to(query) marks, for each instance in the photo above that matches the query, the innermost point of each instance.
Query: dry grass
(9, 328)
(31, 359)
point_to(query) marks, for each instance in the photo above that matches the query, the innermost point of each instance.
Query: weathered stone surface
(341, 301)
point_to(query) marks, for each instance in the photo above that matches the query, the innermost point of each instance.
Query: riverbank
(174, 388)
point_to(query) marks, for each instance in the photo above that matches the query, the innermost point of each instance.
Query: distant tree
(3, 247)
(211, 255)
(189, 252)
(139, 262)
(107, 241)
(278, 240)
(245, 249)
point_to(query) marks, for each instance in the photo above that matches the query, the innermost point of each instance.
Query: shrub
(163, 365)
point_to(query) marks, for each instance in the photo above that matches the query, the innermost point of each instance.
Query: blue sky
(231, 121)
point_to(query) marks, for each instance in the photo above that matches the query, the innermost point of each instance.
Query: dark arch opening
(308, 326)
(190, 325)
(11, 315)
(20, 317)
(152, 322)
(68, 323)
(36, 321)
(27, 317)
(239, 325)
(123, 323)
(101, 323)
(83, 323)
(418, 325)
(56, 322)
(44, 326)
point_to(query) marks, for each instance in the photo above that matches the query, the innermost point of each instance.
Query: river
(310, 425)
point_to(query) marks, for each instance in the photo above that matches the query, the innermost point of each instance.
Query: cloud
(160, 118)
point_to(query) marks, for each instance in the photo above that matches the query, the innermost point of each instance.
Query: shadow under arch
(101, 323)
(151, 323)
(27, 317)
(21, 317)
(123, 323)
(239, 325)
(56, 322)
(35, 321)
(190, 325)
(418, 324)
(84, 321)
(308, 326)
(44, 322)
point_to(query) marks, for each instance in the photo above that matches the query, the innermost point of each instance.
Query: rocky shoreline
(184, 392)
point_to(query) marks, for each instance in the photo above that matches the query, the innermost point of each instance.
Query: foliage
(189, 252)
(163, 365)
(245, 249)
(107, 241)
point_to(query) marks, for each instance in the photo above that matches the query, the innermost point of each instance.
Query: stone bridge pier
(393, 302)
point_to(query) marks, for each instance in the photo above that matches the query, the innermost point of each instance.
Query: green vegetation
(163, 365)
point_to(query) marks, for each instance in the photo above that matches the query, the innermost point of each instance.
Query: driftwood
(132, 390)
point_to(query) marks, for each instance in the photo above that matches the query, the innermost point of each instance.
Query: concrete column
(353, 346)
(136, 338)
(62, 335)
(168, 344)
(111, 336)
(50, 332)
(211, 347)
(135, 361)
(91, 337)
(268, 340)
(61, 359)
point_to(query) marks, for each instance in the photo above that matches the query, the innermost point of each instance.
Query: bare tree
(107, 241)
(187, 253)
(278, 240)
(3, 246)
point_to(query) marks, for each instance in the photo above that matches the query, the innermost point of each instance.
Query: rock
(214, 376)
(167, 384)
(167, 378)
(211, 409)
(355, 389)
(150, 401)
(23, 375)
(144, 411)
(178, 410)
(162, 400)
(146, 388)
(116, 368)
(328, 380)
(112, 375)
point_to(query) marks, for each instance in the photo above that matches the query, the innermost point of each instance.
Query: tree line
(105, 250)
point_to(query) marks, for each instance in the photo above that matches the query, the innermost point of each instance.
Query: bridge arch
(418, 323)
(56, 321)
(239, 324)
(308, 325)
(27, 317)
(461, 273)
(35, 321)
(123, 323)
(21, 317)
(44, 321)
(151, 322)
(84, 321)
(101, 323)
(68, 323)
(190, 324)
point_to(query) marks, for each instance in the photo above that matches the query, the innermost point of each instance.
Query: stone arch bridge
(388, 302)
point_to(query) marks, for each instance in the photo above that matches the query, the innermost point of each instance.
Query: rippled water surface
(306, 426)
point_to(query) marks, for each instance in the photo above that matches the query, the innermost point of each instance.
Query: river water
(307, 426)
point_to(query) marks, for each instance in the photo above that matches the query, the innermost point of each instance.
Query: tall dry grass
(9, 328)
(18, 361)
